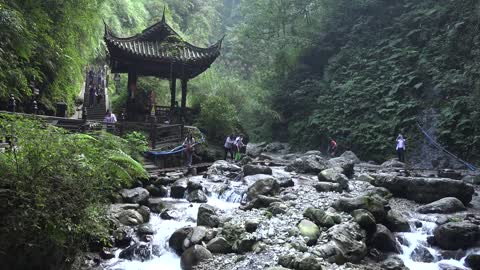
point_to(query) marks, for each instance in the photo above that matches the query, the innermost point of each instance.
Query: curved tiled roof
(160, 43)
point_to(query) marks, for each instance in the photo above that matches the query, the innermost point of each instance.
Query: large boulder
(393, 163)
(443, 206)
(369, 203)
(396, 222)
(197, 196)
(255, 149)
(422, 254)
(328, 187)
(277, 147)
(267, 186)
(347, 244)
(310, 164)
(123, 236)
(260, 201)
(365, 219)
(384, 240)
(472, 179)
(473, 261)
(225, 168)
(157, 191)
(207, 216)
(394, 263)
(309, 230)
(322, 218)
(136, 195)
(195, 236)
(130, 217)
(350, 156)
(156, 205)
(252, 179)
(193, 256)
(177, 190)
(304, 262)
(170, 214)
(137, 251)
(176, 239)
(334, 175)
(424, 190)
(219, 245)
(456, 235)
(250, 169)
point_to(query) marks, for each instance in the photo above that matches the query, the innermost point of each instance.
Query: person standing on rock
(238, 147)
(189, 145)
(332, 147)
(401, 148)
(228, 146)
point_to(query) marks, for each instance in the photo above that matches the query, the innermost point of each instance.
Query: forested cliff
(359, 71)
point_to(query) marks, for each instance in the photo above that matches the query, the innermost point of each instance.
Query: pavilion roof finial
(163, 16)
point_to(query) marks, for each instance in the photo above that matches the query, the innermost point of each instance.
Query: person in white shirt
(401, 148)
(110, 118)
(238, 147)
(229, 146)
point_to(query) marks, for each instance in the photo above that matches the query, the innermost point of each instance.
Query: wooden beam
(184, 95)
(132, 83)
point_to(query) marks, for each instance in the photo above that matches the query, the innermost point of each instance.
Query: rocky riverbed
(278, 210)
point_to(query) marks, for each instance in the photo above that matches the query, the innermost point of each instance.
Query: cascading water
(162, 255)
(412, 243)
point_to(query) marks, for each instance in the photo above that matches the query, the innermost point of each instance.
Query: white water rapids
(167, 259)
(417, 238)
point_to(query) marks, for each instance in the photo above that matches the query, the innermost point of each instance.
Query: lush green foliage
(363, 71)
(54, 185)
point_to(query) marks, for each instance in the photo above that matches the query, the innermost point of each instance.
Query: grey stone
(365, 219)
(130, 218)
(177, 190)
(396, 222)
(176, 239)
(384, 240)
(263, 187)
(193, 256)
(197, 196)
(207, 216)
(456, 235)
(443, 206)
(424, 190)
(219, 245)
(136, 195)
(256, 169)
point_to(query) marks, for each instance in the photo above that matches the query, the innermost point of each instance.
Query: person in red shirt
(332, 148)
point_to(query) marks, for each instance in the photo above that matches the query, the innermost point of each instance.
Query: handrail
(438, 146)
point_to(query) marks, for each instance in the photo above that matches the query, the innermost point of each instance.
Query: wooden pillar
(184, 96)
(173, 91)
(132, 84)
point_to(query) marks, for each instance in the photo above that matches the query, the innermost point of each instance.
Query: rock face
(312, 164)
(256, 169)
(424, 190)
(455, 235)
(136, 195)
(309, 230)
(194, 256)
(267, 186)
(384, 240)
(207, 217)
(443, 206)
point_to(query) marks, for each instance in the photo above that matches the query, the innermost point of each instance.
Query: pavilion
(158, 51)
